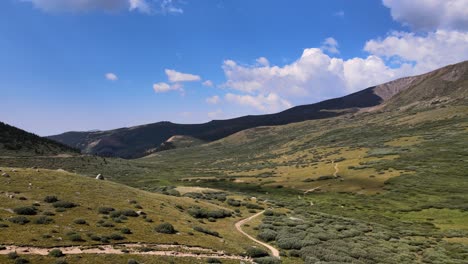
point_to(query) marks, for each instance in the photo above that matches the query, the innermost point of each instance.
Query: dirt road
(274, 251)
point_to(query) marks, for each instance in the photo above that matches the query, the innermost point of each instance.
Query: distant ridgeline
(14, 141)
(442, 86)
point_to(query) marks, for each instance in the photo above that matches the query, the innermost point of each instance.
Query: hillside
(53, 208)
(138, 141)
(17, 142)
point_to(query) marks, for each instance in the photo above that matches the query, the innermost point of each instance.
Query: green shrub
(255, 252)
(253, 206)
(56, 253)
(206, 231)
(267, 260)
(60, 261)
(26, 210)
(13, 255)
(21, 261)
(132, 261)
(21, 220)
(75, 238)
(64, 204)
(43, 220)
(129, 213)
(116, 236)
(50, 199)
(233, 202)
(80, 221)
(267, 235)
(125, 231)
(213, 260)
(3, 225)
(165, 228)
(105, 210)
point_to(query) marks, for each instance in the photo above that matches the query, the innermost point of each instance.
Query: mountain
(17, 142)
(443, 84)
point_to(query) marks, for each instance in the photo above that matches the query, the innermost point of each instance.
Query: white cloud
(163, 87)
(427, 52)
(216, 114)
(430, 14)
(144, 6)
(175, 76)
(263, 61)
(111, 76)
(213, 100)
(208, 83)
(330, 45)
(264, 103)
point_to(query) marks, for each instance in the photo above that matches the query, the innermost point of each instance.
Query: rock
(99, 177)
(141, 213)
(5, 175)
(13, 170)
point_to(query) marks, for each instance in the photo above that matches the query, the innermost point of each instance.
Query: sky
(79, 65)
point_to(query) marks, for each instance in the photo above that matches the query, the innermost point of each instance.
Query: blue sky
(81, 65)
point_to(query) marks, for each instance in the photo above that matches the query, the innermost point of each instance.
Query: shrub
(13, 255)
(132, 261)
(3, 225)
(105, 210)
(116, 236)
(129, 213)
(48, 213)
(165, 228)
(206, 231)
(26, 210)
(203, 213)
(56, 253)
(213, 260)
(267, 260)
(125, 231)
(43, 220)
(253, 206)
(254, 252)
(64, 204)
(267, 235)
(21, 220)
(50, 199)
(289, 243)
(268, 213)
(21, 261)
(60, 261)
(233, 202)
(75, 237)
(80, 221)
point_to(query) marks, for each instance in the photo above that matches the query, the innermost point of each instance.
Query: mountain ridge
(135, 142)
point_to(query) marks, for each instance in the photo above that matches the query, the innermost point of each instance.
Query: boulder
(5, 175)
(99, 177)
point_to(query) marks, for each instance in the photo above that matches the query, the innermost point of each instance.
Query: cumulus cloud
(208, 83)
(264, 103)
(144, 6)
(263, 61)
(111, 76)
(163, 87)
(213, 99)
(175, 76)
(426, 52)
(330, 45)
(430, 14)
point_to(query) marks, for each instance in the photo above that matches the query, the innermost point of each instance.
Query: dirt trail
(159, 250)
(239, 224)
(335, 174)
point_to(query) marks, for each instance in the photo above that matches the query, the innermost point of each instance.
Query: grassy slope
(29, 186)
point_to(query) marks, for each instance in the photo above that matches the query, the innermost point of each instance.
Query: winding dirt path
(159, 250)
(335, 174)
(239, 224)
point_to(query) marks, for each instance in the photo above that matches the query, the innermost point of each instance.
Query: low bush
(105, 210)
(213, 260)
(26, 210)
(267, 235)
(267, 260)
(43, 220)
(165, 228)
(253, 206)
(56, 253)
(130, 213)
(20, 220)
(206, 231)
(75, 237)
(132, 261)
(233, 202)
(64, 204)
(21, 261)
(255, 252)
(80, 221)
(116, 236)
(125, 231)
(50, 199)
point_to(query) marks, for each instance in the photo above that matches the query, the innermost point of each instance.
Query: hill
(46, 209)
(137, 141)
(17, 142)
